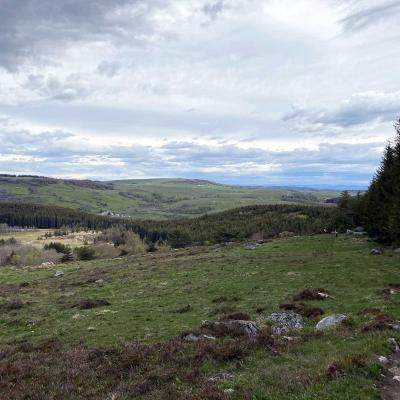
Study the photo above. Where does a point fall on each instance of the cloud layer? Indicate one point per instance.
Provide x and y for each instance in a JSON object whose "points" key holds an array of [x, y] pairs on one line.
{"points": [[239, 91]]}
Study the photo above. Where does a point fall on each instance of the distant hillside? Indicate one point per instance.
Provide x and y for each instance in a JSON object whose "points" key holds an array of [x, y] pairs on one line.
{"points": [[149, 198]]}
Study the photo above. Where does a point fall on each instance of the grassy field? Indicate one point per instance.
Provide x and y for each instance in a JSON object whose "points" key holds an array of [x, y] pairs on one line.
{"points": [[149, 298], [37, 238], [151, 198]]}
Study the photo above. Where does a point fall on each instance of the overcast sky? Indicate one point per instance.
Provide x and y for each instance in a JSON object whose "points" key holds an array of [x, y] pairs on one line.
{"points": [[268, 92]]}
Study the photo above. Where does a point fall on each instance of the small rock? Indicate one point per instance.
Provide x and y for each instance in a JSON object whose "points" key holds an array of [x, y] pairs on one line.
{"points": [[291, 338], [395, 325], [191, 338], [395, 371], [91, 328], [99, 281], [396, 378], [330, 321], [393, 342], [376, 252], [397, 251], [59, 274], [283, 322], [229, 391], [250, 246], [223, 376], [383, 360], [208, 337]]}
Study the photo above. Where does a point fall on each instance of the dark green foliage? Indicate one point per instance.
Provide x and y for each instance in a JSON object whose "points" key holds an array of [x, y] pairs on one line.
{"points": [[242, 223], [58, 247], [5, 242], [85, 253], [238, 224], [49, 217], [68, 257], [381, 203]]}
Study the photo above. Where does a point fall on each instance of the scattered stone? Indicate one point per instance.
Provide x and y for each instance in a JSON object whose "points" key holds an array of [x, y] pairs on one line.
{"points": [[395, 371], [59, 274], [229, 391], [99, 281], [283, 322], [382, 322], [232, 328], [250, 246], [395, 325], [223, 376], [383, 360], [91, 328], [190, 337], [393, 342], [396, 378], [291, 338], [376, 252], [330, 321], [47, 264], [397, 251]]}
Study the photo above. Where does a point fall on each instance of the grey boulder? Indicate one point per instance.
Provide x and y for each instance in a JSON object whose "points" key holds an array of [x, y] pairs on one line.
{"points": [[283, 322], [330, 321], [232, 327]]}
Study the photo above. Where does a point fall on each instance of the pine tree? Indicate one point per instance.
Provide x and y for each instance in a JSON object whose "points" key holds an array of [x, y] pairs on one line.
{"points": [[381, 204]]}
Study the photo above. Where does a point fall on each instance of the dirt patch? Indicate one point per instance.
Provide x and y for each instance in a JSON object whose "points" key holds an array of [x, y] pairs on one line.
{"points": [[86, 304], [391, 289], [312, 294], [379, 323], [225, 299], [302, 309], [184, 309], [389, 388], [236, 316], [12, 305]]}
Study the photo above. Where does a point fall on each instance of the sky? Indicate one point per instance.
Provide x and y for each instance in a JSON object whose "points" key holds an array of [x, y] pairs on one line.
{"points": [[253, 92]]}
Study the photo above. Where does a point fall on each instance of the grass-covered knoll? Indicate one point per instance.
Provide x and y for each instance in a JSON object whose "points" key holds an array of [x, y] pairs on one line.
{"points": [[148, 300], [149, 198]]}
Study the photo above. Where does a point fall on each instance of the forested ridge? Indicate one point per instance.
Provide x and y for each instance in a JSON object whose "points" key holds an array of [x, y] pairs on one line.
{"points": [[262, 221]]}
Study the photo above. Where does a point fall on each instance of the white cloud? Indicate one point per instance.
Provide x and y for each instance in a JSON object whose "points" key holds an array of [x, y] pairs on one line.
{"points": [[133, 77]]}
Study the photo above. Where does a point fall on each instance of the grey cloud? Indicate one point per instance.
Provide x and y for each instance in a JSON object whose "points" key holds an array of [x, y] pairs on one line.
{"points": [[109, 68], [370, 15], [359, 109], [213, 9], [34, 28]]}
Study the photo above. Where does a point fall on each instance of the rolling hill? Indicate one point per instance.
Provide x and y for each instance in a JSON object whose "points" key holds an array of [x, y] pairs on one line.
{"points": [[149, 198]]}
